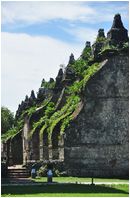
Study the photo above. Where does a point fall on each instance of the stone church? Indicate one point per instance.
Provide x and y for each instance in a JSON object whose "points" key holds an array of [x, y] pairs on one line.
{"points": [[96, 141]]}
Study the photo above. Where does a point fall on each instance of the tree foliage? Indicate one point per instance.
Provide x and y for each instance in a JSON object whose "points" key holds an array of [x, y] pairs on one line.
{"points": [[7, 119]]}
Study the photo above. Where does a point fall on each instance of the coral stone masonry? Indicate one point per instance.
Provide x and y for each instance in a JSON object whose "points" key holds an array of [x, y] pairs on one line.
{"points": [[96, 143], [79, 121]]}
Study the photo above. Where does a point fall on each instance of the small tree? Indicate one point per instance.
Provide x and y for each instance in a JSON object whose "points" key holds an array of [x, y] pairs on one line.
{"points": [[7, 119]]}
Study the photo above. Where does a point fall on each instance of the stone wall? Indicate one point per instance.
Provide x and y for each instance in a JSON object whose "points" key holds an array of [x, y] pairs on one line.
{"points": [[96, 144]]}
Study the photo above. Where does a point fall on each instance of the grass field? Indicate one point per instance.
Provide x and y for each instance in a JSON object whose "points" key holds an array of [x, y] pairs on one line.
{"points": [[66, 190], [79, 179]]}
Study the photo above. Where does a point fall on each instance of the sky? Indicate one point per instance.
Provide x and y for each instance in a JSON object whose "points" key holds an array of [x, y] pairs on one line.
{"points": [[38, 36]]}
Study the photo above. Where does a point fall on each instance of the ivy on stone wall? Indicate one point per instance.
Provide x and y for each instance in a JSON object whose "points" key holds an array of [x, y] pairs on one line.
{"points": [[64, 115], [51, 117], [48, 85], [50, 108], [10, 134]]}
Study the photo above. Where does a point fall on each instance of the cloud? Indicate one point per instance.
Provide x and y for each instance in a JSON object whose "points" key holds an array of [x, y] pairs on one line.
{"points": [[42, 11], [26, 60], [82, 34], [32, 12]]}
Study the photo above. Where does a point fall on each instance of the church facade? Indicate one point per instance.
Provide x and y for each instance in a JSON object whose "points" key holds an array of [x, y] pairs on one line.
{"points": [[96, 142]]}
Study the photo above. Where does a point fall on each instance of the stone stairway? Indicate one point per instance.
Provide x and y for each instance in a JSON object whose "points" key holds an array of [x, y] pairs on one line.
{"points": [[18, 173]]}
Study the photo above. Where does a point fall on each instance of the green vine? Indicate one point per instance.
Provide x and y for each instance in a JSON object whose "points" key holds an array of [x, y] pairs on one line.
{"points": [[50, 117], [65, 123], [48, 85], [79, 66], [77, 88], [101, 39], [31, 111], [87, 53], [64, 115], [10, 134], [51, 121], [50, 108]]}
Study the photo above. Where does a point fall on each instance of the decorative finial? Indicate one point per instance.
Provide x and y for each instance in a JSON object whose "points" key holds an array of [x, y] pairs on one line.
{"points": [[71, 59], [32, 95], [101, 33], [117, 35], [26, 98], [117, 22], [51, 80], [88, 44]]}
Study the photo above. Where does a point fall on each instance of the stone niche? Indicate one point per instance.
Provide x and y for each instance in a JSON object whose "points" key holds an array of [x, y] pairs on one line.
{"points": [[96, 143]]}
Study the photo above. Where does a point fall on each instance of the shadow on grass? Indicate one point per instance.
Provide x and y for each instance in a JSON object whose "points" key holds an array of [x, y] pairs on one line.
{"points": [[69, 188], [15, 181]]}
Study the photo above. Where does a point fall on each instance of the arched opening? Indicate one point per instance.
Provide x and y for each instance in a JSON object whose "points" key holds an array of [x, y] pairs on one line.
{"points": [[17, 149], [45, 146], [57, 144], [34, 153]]}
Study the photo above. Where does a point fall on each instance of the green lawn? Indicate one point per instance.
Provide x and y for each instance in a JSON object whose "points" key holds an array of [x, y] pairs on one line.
{"points": [[67, 190], [78, 179]]}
